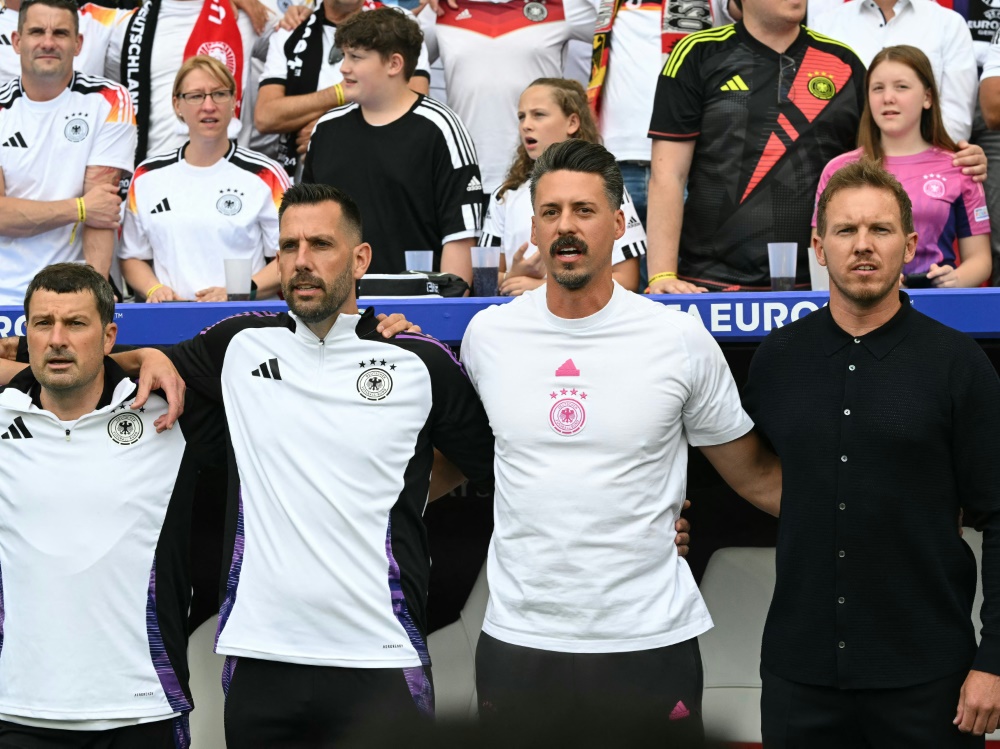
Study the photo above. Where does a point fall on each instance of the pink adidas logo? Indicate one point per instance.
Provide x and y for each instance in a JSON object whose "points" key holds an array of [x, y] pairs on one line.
{"points": [[567, 369], [679, 712]]}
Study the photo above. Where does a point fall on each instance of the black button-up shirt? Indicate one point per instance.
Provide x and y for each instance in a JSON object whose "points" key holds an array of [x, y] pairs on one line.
{"points": [[883, 438]]}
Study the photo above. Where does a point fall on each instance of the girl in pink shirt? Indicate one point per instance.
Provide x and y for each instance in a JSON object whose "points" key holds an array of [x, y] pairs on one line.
{"points": [[902, 127]]}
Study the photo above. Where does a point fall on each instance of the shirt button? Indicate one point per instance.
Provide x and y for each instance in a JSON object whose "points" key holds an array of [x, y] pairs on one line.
{"points": [[843, 506], [851, 367], [840, 600], [842, 644], [843, 458], [840, 553], [857, 340], [847, 412]]}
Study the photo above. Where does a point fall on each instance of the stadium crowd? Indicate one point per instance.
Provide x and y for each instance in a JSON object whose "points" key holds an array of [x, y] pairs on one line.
{"points": [[142, 147]]}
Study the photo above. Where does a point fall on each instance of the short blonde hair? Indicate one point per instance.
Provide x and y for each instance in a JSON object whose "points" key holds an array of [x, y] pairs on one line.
{"points": [[208, 64]]}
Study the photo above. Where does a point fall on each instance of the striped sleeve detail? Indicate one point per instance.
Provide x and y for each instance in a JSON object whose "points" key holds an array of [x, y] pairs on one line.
{"points": [[635, 249], [460, 147], [9, 93], [269, 172], [104, 16], [823, 38], [147, 166], [685, 45], [121, 109], [335, 113]]}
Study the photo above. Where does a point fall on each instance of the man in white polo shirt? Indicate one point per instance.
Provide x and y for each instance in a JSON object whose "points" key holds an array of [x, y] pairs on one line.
{"points": [[65, 140], [594, 395]]}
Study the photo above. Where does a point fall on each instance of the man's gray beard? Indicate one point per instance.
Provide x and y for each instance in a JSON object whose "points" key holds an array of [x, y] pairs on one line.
{"points": [[331, 303]]}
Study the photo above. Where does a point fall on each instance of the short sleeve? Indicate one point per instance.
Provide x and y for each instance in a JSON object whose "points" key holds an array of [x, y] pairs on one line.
{"points": [[458, 185], [493, 223], [114, 143], [135, 244], [677, 105], [276, 183], [972, 216], [276, 65], [991, 66], [581, 17], [633, 241], [713, 414]]}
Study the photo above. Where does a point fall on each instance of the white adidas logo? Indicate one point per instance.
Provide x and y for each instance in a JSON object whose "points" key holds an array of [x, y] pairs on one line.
{"points": [[465, 15], [474, 184]]}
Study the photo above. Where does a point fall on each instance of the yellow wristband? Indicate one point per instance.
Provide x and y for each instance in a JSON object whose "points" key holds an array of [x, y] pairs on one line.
{"points": [[81, 210], [154, 290], [339, 91], [662, 276]]}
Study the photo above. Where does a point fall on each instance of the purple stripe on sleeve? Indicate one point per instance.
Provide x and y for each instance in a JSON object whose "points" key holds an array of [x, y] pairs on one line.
{"points": [[182, 732], [228, 669], [158, 652], [436, 342], [233, 580]]}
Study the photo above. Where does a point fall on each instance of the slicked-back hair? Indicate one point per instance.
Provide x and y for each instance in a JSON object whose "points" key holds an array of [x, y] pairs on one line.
{"points": [[387, 31], [69, 278], [68, 5], [305, 193], [576, 155], [865, 173]]}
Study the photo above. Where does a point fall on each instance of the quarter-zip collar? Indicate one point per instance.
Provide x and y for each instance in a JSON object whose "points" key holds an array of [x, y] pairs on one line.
{"points": [[24, 391]]}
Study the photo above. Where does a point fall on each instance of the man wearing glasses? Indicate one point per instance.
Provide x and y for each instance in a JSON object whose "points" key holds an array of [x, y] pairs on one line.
{"points": [[65, 139]]}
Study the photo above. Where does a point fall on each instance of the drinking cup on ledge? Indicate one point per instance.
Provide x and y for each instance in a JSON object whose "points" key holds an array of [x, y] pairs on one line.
{"points": [[485, 267], [238, 275], [420, 260], [781, 256]]}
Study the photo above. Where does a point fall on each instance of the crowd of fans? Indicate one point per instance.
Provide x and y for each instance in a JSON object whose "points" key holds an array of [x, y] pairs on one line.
{"points": [[724, 118]]}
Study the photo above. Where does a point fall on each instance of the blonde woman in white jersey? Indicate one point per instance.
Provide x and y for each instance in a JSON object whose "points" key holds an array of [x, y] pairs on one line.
{"points": [[190, 209], [550, 111]]}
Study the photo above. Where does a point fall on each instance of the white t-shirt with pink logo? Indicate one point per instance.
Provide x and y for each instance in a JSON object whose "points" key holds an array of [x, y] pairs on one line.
{"points": [[947, 205], [593, 418]]}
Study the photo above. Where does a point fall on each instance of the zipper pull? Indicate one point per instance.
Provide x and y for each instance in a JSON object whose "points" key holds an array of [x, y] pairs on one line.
{"points": [[67, 435]]}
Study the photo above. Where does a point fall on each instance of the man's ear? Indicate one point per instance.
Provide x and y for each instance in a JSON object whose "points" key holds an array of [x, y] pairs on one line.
{"points": [[362, 259]]}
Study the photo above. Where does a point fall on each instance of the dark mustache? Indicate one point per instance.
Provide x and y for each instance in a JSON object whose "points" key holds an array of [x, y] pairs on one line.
{"points": [[570, 240], [309, 279]]}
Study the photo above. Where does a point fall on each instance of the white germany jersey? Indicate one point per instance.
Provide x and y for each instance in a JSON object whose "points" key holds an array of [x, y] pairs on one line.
{"points": [[188, 219], [593, 418], [97, 24], [92, 625], [333, 442], [508, 225], [45, 149], [491, 51]]}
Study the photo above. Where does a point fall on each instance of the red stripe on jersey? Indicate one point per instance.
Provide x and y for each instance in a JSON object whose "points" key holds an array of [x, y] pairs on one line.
{"points": [[773, 151], [817, 64], [277, 182], [788, 126], [121, 110], [496, 19], [686, 136], [104, 16]]}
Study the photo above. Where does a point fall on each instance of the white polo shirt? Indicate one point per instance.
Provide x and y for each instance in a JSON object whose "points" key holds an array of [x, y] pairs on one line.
{"points": [[940, 33], [592, 419]]}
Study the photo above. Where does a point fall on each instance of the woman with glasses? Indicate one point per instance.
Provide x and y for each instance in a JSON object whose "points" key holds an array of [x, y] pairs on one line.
{"points": [[550, 111], [902, 127], [207, 202]]}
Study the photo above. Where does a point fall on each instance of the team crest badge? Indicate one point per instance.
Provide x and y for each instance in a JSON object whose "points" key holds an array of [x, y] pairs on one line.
{"points": [[125, 428], [821, 86], [375, 383], [221, 52], [229, 204], [535, 12], [76, 129], [934, 185], [567, 416]]}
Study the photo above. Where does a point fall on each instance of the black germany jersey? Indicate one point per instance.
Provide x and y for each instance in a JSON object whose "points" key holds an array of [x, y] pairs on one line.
{"points": [[765, 125], [416, 180]]}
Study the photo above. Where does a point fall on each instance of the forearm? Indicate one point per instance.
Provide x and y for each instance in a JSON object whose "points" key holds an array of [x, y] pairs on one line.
{"points": [[989, 102], [26, 218], [278, 113], [140, 275], [131, 361], [98, 248], [626, 273], [456, 257], [977, 261], [751, 469], [665, 215], [8, 369]]}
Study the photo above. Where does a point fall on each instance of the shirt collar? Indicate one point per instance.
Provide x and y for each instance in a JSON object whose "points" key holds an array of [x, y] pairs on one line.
{"points": [[762, 49], [870, 6], [879, 342], [113, 376]]}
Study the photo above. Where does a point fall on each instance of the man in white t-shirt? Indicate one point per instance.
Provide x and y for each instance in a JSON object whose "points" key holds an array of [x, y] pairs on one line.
{"points": [[65, 140], [301, 77], [97, 24], [490, 52], [594, 395]]}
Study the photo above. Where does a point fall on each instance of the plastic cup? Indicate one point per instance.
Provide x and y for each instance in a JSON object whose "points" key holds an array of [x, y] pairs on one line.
{"points": [[781, 256], [420, 260], [819, 277], [238, 275], [485, 267]]}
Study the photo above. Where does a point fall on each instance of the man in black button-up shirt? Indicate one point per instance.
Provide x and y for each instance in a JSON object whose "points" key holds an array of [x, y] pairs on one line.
{"points": [[887, 424]]}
